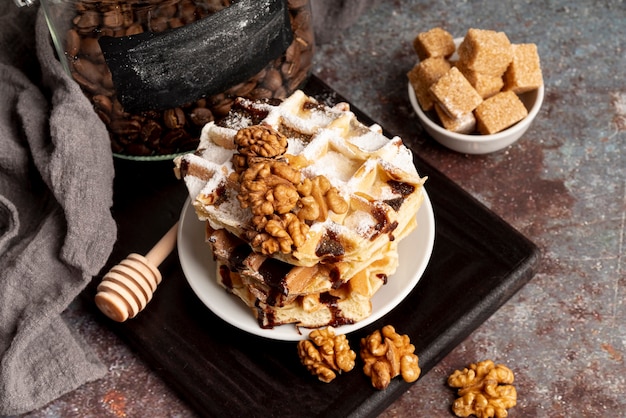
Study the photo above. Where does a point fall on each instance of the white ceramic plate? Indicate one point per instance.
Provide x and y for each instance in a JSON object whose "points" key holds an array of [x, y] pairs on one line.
{"points": [[199, 268]]}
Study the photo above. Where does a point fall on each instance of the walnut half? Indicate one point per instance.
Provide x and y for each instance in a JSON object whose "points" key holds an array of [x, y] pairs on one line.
{"points": [[387, 354], [325, 354], [485, 390], [260, 141]]}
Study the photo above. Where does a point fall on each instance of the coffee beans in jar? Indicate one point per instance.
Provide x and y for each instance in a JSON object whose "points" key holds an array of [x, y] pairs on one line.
{"points": [[157, 71]]}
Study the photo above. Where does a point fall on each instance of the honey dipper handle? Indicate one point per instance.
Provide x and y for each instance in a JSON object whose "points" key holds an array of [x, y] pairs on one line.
{"points": [[164, 247]]}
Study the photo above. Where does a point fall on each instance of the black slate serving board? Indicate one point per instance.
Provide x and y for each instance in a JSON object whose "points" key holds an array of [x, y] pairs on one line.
{"points": [[478, 263]]}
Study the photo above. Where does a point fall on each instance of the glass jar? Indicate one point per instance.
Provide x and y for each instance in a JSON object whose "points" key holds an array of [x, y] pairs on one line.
{"points": [[157, 71]]}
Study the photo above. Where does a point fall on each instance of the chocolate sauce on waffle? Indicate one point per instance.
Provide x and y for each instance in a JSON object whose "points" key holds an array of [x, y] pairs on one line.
{"points": [[401, 188], [329, 247], [383, 277], [245, 108], [238, 256], [383, 224], [335, 277], [224, 272], [273, 272], [337, 316]]}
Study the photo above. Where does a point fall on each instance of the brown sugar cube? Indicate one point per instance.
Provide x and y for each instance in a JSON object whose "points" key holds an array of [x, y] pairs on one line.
{"points": [[486, 51], [436, 42], [466, 124], [425, 74], [485, 85], [524, 72], [499, 112], [455, 94]]}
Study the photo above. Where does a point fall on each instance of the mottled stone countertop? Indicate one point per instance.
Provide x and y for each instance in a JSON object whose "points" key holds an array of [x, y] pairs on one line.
{"points": [[563, 185]]}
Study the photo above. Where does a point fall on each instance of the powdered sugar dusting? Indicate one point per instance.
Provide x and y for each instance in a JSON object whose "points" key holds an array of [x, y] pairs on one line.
{"points": [[363, 223], [307, 121], [215, 153], [295, 146], [230, 213], [395, 153], [334, 166], [371, 141], [307, 126], [240, 121]]}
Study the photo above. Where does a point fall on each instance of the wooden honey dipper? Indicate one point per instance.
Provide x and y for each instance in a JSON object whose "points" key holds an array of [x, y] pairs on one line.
{"points": [[128, 287]]}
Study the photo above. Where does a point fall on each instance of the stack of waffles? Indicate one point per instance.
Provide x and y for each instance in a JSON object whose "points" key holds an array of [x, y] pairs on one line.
{"points": [[304, 208]]}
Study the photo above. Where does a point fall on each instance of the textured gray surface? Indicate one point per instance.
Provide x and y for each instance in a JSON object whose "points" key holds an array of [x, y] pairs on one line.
{"points": [[563, 185]]}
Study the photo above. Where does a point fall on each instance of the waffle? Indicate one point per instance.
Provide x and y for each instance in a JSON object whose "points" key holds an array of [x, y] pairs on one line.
{"points": [[366, 193], [278, 293]]}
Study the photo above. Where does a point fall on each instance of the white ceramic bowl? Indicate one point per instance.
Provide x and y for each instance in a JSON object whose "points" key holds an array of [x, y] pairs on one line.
{"points": [[476, 143]]}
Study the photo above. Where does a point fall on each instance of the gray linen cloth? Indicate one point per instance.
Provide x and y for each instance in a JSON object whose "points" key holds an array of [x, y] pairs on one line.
{"points": [[56, 227]]}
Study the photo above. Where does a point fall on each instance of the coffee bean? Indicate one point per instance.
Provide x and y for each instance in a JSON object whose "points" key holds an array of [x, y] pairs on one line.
{"points": [[151, 132], [107, 81], [242, 89], [87, 85], [126, 10], [118, 109], [134, 29], [174, 118], [261, 93], [137, 149], [281, 92], [273, 79], [72, 43], [116, 147], [89, 48], [104, 117], [159, 24], [88, 21], [112, 18], [200, 116], [104, 31], [166, 11], [103, 103], [173, 137], [221, 109], [125, 127], [176, 22], [188, 12]]}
